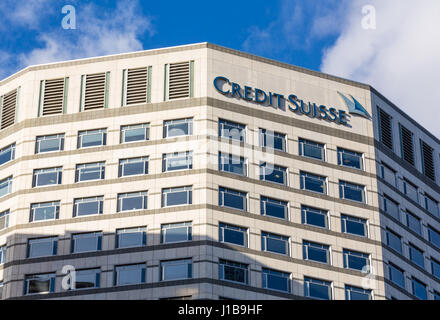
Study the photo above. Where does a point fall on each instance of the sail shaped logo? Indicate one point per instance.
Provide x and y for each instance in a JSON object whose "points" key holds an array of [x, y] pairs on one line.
{"points": [[355, 107]]}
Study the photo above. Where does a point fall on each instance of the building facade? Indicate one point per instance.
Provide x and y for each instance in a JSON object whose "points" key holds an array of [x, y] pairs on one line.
{"points": [[200, 172]]}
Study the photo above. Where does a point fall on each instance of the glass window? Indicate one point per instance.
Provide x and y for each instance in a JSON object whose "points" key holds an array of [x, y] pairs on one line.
{"points": [[179, 127], [137, 132], [44, 211], [133, 166], [233, 271], [274, 208], [431, 205], [351, 191], [233, 234], [351, 159], [355, 293], [39, 283], [396, 275], [388, 174], [356, 260], [4, 219], [132, 201], [317, 252], [413, 223], [232, 198], [410, 190], [273, 173], [434, 236], [416, 255], [176, 269], [49, 143], [394, 240], [272, 140], [176, 232], [86, 242], [276, 280], [435, 268], [177, 161], [354, 225], [271, 242], [391, 207], [311, 149], [90, 171], [317, 289], [131, 237], [5, 186], [46, 177], [129, 274], [3, 250], [419, 289], [87, 279], [231, 130], [314, 217], [176, 196], [92, 138], [88, 206], [42, 247], [436, 295], [231, 163], [312, 182], [7, 154]]}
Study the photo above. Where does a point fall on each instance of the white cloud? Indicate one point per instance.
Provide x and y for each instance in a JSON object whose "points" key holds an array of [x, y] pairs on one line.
{"points": [[400, 58]]}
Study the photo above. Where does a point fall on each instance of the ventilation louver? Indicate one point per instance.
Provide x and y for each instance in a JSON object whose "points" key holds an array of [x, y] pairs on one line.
{"points": [[428, 160], [95, 90], [179, 80], [407, 140], [53, 97], [386, 133], [137, 82], [9, 104]]}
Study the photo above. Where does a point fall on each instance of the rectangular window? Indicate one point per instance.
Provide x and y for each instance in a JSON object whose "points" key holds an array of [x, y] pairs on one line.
{"points": [[86, 242], [44, 211], [3, 250], [4, 219], [135, 132], [311, 149], [5, 186], [314, 217], [7, 154], [356, 293], [51, 143], [428, 167], [133, 166], [176, 269], [407, 144], [233, 234], [46, 177], [231, 163], [90, 171], [42, 247], [317, 289], [92, 138], [435, 268], [312, 182], [233, 271], [396, 275], [232, 199], [351, 191], [176, 232], [394, 240], [434, 236], [317, 252], [388, 174], [431, 205], [416, 255], [274, 208], [132, 201], [276, 280], [131, 237], [356, 260], [176, 196], [350, 159], [275, 243], [410, 190], [391, 207], [178, 127], [413, 223], [177, 161], [419, 289], [87, 279], [231, 130], [129, 274], [272, 140], [354, 225], [88, 206], [273, 173], [385, 128], [39, 283]]}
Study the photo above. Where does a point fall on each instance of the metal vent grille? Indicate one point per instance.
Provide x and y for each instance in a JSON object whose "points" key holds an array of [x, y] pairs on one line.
{"points": [[428, 160], [94, 96], [179, 80], [53, 97], [407, 141], [9, 104], [137, 82], [386, 132]]}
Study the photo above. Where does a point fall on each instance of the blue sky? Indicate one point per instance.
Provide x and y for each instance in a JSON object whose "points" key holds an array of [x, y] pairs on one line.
{"points": [[400, 57]]}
